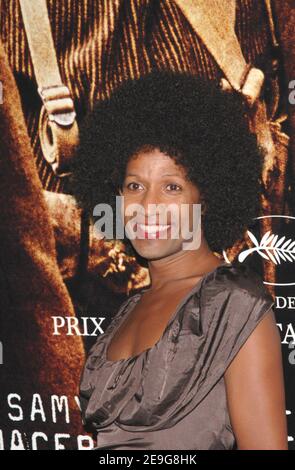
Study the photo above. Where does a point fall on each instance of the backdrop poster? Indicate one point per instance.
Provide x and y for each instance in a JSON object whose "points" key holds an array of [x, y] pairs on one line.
{"points": [[60, 285]]}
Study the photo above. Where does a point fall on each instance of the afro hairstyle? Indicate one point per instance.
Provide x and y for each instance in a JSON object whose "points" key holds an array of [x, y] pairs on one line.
{"points": [[200, 126]]}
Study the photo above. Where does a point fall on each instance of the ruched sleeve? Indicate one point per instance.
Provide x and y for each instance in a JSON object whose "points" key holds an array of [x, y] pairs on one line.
{"points": [[240, 329]]}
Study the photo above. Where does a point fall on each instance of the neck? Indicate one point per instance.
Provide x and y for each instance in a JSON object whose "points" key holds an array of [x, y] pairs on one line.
{"points": [[181, 265]]}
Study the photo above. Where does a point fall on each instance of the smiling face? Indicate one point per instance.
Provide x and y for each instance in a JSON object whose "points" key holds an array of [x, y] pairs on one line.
{"points": [[153, 178]]}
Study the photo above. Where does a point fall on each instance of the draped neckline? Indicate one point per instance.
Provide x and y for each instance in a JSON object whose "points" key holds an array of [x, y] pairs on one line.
{"points": [[135, 298]]}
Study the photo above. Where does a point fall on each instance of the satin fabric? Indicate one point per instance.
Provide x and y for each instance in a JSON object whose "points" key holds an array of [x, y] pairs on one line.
{"points": [[172, 396]]}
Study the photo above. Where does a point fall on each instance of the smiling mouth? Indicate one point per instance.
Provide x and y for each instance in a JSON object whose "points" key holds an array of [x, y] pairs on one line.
{"points": [[152, 231]]}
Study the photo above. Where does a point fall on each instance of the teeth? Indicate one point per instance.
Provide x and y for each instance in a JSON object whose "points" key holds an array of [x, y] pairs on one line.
{"points": [[153, 228]]}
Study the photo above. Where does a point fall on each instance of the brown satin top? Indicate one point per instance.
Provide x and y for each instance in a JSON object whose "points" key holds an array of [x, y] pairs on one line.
{"points": [[172, 396]]}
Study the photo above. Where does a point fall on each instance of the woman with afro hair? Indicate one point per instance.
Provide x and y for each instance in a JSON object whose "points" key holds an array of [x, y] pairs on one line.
{"points": [[193, 361]]}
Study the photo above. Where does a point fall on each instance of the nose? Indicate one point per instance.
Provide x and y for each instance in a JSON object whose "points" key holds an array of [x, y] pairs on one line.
{"points": [[149, 202]]}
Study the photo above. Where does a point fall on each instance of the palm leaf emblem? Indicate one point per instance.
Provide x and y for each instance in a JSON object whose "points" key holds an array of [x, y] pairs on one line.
{"points": [[271, 247]]}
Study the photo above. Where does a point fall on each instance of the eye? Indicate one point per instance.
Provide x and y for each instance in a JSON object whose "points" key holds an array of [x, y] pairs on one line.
{"points": [[133, 186], [173, 187]]}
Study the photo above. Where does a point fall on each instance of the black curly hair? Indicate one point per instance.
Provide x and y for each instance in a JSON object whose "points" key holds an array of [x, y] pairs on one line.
{"points": [[194, 122]]}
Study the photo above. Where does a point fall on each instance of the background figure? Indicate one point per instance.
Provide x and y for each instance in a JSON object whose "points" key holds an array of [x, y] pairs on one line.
{"points": [[99, 44], [36, 364]]}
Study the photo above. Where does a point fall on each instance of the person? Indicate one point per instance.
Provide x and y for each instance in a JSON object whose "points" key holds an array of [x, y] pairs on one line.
{"points": [[192, 361], [32, 294]]}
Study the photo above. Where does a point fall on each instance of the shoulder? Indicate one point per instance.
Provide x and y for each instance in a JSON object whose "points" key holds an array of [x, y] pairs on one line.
{"points": [[238, 280], [235, 295], [226, 310]]}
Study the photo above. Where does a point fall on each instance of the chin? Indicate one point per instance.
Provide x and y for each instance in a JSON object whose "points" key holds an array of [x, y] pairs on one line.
{"points": [[155, 249]]}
